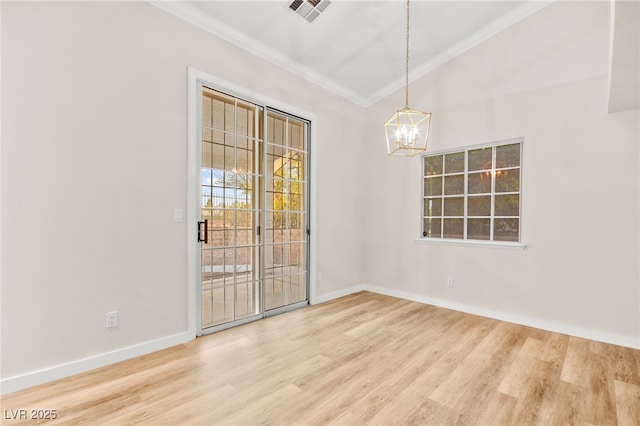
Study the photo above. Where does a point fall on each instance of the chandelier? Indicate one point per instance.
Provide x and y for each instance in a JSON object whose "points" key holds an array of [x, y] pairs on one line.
{"points": [[407, 130]]}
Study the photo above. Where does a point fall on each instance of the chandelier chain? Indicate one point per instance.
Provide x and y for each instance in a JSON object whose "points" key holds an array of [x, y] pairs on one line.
{"points": [[406, 85], [407, 130]]}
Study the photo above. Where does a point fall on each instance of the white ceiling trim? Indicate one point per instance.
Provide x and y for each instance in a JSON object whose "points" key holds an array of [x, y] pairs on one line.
{"points": [[226, 32], [459, 48]]}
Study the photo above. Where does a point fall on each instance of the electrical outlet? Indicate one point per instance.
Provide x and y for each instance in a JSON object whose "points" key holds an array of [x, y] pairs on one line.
{"points": [[449, 281], [112, 319]]}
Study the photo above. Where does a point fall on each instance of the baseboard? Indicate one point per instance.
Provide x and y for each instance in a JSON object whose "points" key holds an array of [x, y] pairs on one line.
{"points": [[34, 378], [336, 294], [16, 383], [555, 327]]}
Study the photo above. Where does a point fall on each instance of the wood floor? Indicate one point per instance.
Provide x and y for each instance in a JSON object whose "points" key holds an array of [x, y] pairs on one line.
{"points": [[364, 359]]}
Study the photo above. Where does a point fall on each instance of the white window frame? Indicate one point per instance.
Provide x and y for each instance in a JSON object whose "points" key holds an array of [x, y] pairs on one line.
{"points": [[464, 240]]}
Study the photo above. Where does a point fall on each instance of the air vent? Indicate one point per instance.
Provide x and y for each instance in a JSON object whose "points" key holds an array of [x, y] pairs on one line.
{"points": [[295, 5], [309, 9]]}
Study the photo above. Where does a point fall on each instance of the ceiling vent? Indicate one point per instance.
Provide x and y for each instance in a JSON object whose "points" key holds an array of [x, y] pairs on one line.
{"points": [[309, 9]]}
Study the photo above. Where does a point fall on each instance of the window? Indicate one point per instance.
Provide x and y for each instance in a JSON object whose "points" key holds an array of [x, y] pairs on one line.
{"points": [[473, 193]]}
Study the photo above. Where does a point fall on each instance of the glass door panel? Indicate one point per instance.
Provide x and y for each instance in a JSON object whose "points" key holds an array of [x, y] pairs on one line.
{"points": [[286, 211], [254, 208], [230, 257]]}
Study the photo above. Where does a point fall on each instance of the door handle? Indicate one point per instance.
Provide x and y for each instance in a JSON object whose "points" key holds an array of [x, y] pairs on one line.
{"points": [[206, 232]]}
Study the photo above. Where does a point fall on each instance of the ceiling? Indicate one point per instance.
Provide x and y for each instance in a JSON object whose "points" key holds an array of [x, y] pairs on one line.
{"points": [[355, 48]]}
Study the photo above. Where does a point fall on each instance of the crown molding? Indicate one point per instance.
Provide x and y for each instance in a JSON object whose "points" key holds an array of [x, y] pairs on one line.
{"points": [[459, 48], [218, 28]]}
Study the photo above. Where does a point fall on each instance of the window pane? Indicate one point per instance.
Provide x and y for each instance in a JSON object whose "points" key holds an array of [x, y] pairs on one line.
{"points": [[242, 160], [295, 223], [508, 156], [453, 228], [278, 153], [508, 180], [478, 229], [297, 166], [454, 185], [296, 134], [229, 157], [242, 120], [276, 134], [242, 142], [207, 149], [479, 183], [454, 163], [433, 165], [218, 114], [433, 206], [229, 114], [506, 230], [507, 205], [480, 159], [454, 206], [479, 206], [432, 228], [206, 111], [218, 156], [433, 186], [473, 194], [207, 134]]}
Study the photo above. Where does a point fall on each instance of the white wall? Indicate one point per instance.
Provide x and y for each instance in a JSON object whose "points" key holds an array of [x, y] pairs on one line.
{"points": [[545, 80], [94, 139], [94, 160]]}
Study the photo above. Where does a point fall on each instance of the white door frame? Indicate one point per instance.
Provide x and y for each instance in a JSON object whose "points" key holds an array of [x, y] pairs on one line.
{"points": [[196, 76]]}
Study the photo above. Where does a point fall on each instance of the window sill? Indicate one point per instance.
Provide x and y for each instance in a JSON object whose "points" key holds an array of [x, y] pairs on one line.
{"points": [[471, 243]]}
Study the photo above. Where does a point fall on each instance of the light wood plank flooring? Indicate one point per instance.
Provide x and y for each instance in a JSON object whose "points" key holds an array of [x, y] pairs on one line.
{"points": [[365, 359]]}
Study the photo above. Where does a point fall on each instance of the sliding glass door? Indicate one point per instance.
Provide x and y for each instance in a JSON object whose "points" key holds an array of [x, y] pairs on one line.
{"points": [[254, 211], [286, 212]]}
